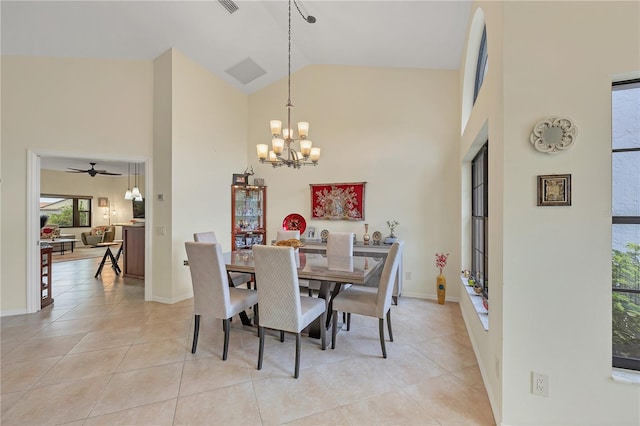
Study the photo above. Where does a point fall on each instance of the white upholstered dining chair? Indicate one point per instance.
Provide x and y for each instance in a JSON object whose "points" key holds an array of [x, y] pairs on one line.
{"points": [[212, 295], [369, 301], [338, 244], [236, 278], [281, 306]]}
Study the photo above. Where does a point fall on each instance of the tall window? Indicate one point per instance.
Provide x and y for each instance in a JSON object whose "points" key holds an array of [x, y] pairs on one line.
{"points": [[482, 65], [626, 224], [479, 216], [66, 211]]}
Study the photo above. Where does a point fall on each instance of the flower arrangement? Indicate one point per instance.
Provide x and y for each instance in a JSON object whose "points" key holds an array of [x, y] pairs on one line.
{"points": [[441, 261], [392, 224]]}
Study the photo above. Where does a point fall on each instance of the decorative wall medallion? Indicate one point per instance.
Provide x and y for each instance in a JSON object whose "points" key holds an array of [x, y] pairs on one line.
{"points": [[553, 134]]}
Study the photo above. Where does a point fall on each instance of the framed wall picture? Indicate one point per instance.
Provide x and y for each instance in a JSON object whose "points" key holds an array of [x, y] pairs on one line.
{"points": [[311, 233], [554, 190], [103, 202], [240, 179], [337, 201]]}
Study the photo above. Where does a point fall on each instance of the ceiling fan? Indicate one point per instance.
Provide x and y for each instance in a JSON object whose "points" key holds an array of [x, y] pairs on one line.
{"points": [[92, 171]]}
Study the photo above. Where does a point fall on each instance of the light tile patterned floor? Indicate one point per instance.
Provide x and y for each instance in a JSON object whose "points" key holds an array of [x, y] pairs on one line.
{"points": [[101, 355]]}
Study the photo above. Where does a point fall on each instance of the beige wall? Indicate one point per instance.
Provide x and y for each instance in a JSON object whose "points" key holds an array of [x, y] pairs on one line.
{"points": [[551, 287], [209, 121], [485, 123], [63, 106], [395, 129]]}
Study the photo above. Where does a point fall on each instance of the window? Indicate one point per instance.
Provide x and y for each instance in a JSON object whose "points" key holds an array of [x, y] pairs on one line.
{"points": [[67, 211], [626, 223], [479, 216], [483, 64]]}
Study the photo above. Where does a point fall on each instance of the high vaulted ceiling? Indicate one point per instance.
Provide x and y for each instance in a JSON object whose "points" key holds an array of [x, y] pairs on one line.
{"points": [[407, 34], [404, 34]]}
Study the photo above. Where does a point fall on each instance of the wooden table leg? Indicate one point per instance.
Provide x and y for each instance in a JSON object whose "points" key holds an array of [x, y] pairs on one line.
{"points": [[104, 259], [114, 262]]}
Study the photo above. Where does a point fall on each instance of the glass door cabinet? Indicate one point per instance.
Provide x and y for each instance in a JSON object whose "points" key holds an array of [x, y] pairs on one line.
{"points": [[248, 216]]}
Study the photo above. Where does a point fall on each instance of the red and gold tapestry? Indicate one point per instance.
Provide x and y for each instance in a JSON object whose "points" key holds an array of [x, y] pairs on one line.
{"points": [[337, 201]]}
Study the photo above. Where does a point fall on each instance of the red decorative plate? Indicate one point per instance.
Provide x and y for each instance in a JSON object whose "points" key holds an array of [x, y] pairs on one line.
{"points": [[294, 222]]}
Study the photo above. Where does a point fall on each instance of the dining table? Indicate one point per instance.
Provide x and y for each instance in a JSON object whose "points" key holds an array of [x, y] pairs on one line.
{"points": [[357, 270]]}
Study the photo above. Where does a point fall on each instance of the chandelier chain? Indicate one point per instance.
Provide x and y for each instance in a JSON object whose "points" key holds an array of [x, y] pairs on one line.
{"points": [[289, 64]]}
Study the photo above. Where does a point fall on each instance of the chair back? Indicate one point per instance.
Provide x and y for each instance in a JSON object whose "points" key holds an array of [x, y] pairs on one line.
{"points": [[277, 285], [209, 279], [285, 235], [340, 244], [388, 278], [109, 234], [205, 237]]}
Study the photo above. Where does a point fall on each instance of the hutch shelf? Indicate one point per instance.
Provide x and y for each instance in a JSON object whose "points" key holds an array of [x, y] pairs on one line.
{"points": [[248, 216]]}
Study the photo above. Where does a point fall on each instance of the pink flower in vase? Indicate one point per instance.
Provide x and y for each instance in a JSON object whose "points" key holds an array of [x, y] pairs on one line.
{"points": [[441, 261]]}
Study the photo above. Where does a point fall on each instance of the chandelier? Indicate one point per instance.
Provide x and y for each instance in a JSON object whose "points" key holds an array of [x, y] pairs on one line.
{"points": [[283, 153]]}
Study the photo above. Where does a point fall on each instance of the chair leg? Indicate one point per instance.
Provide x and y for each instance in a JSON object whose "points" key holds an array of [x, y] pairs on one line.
{"points": [[348, 321], [260, 347], [323, 330], [196, 330], [389, 325], [297, 373], [256, 316], [384, 350], [334, 329], [281, 336], [227, 331]]}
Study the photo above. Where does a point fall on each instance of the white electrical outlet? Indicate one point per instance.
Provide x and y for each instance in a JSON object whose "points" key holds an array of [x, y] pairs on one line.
{"points": [[407, 275], [539, 384]]}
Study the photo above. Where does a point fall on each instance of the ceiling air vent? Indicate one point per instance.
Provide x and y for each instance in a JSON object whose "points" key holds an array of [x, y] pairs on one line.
{"points": [[246, 71], [229, 5]]}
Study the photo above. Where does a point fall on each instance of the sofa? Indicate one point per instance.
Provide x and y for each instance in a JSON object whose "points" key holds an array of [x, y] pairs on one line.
{"points": [[97, 235]]}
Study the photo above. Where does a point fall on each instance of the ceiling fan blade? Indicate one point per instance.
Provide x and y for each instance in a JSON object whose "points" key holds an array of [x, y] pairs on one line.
{"points": [[92, 171]]}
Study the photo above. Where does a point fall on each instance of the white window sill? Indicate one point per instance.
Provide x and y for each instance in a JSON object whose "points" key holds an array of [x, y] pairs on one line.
{"points": [[625, 376], [476, 300]]}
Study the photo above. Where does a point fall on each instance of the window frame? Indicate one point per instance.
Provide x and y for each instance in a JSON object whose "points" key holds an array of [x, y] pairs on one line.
{"points": [[480, 216], [76, 211], [620, 361], [481, 65]]}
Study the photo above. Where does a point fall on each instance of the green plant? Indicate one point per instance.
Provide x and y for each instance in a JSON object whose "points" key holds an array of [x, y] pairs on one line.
{"points": [[626, 306], [64, 218]]}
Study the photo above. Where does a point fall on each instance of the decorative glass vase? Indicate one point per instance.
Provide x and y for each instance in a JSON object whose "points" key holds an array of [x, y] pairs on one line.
{"points": [[366, 236], [441, 287]]}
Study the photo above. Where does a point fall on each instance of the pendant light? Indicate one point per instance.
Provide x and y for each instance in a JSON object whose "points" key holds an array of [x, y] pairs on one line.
{"points": [[128, 195], [137, 195]]}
